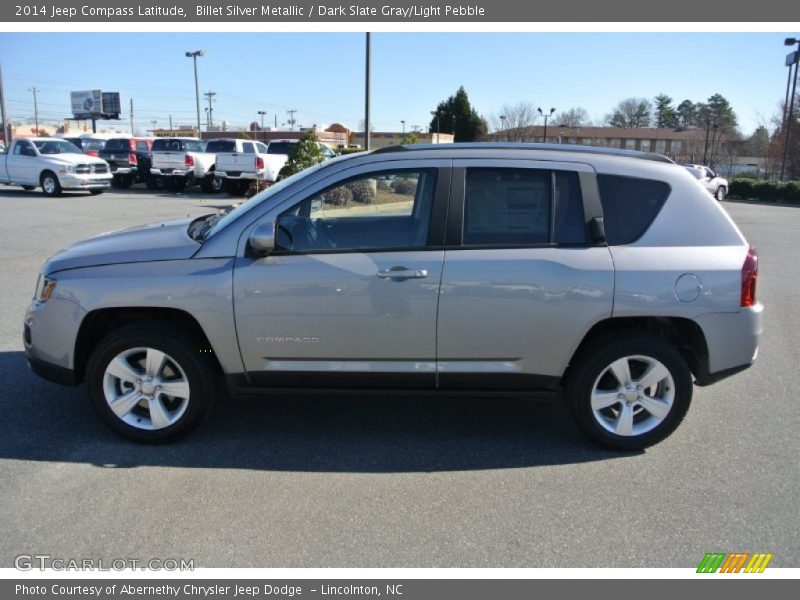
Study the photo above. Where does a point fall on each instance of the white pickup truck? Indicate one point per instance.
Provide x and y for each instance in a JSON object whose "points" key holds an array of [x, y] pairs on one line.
{"points": [[184, 161], [55, 165], [717, 186], [239, 163]]}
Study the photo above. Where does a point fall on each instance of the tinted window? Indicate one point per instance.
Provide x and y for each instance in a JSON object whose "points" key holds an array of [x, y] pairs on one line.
{"points": [[629, 205], [193, 146], [142, 146], [261, 148], [379, 211], [221, 146], [507, 207], [280, 147], [96, 145], [56, 147], [118, 144], [247, 148], [163, 145], [569, 224]]}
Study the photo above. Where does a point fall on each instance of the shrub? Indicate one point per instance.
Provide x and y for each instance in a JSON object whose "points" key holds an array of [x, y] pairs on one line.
{"points": [[384, 185], [404, 186], [338, 196], [741, 188], [363, 191], [305, 153], [791, 192]]}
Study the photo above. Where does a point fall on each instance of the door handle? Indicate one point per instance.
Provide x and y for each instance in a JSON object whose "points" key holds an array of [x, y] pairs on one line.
{"points": [[403, 273]]}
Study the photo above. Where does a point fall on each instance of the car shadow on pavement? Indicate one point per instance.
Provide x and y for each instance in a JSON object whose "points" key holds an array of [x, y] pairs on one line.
{"points": [[46, 422]]}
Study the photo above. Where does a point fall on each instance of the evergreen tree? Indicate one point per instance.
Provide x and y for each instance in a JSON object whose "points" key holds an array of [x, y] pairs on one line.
{"points": [[305, 153], [686, 113], [457, 116], [665, 115]]}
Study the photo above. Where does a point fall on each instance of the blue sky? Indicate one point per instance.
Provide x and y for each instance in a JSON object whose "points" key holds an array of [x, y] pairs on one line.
{"points": [[321, 75]]}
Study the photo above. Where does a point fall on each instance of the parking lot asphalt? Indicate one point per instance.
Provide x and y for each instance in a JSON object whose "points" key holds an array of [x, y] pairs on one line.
{"points": [[392, 482]]}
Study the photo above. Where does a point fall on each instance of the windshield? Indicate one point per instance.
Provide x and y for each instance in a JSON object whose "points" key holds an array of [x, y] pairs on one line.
{"points": [[258, 200], [280, 147], [56, 147], [93, 145]]}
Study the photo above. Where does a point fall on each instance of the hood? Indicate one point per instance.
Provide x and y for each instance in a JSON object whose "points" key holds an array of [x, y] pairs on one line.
{"points": [[160, 241], [71, 158]]}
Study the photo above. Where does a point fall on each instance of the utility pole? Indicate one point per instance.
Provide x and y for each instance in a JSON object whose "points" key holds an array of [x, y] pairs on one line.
{"points": [[132, 131], [291, 118], [170, 123], [404, 127], [366, 94], [435, 113], [35, 109], [210, 98], [6, 130]]}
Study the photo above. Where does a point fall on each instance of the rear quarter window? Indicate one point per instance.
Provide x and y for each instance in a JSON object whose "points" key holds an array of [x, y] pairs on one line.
{"points": [[630, 205]]}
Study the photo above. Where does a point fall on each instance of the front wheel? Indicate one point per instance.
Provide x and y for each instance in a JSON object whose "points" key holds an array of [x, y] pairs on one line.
{"points": [[721, 192], [122, 181], [50, 184], [150, 383], [629, 390]]}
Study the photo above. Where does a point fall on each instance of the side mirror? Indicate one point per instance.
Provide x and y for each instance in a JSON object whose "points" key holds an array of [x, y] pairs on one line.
{"points": [[598, 230], [262, 238]]}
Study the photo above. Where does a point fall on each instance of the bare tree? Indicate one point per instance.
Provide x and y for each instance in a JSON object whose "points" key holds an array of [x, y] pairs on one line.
{"points": [[573, 117], [515, 121], [631, 112]]}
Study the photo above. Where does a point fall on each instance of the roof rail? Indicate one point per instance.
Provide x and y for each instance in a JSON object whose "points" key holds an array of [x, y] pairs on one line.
{"points": [[526, 146]]}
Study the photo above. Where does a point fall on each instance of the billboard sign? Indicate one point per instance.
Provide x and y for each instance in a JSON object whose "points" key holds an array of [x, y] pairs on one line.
{"points": [[95, 104]]}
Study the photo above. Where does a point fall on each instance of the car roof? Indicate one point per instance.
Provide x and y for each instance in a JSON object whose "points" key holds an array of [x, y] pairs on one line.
{"points": [[526, 148]]}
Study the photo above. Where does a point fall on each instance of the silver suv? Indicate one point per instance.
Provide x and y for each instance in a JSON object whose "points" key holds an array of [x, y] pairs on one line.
{"points": [[448, 269]]}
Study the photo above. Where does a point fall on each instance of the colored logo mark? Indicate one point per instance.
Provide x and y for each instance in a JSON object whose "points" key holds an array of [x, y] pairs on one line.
{"points": [[737, 562]]}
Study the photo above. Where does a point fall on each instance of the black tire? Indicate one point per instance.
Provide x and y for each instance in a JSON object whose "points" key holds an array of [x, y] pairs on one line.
{"points": [[96, 192], [175, 184], [155, 182], [235, 187], [122, 181], [211, 184], [184, 349], [51, 187], [721, 193], [595, 358], [28, 188]]}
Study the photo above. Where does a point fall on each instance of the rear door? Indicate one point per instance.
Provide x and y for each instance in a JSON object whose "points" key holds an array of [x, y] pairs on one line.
{"points": [[522, 279]]}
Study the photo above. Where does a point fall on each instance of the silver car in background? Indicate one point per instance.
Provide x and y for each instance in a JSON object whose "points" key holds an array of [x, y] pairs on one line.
{"points": [[456, 269]]}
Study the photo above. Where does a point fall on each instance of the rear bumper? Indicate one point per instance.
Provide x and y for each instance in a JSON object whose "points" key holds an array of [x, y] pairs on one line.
{"points": [[172, 172], [123, 170], [732, 340], [242, 175]]}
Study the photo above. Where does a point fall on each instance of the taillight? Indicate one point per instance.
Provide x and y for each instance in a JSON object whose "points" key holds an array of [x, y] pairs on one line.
{"points": [[92, 153], [189, 160], [132, 159], [749, 277], [259, 162]]}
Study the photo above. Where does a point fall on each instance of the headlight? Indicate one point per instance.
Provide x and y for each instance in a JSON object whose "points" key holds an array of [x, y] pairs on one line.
{"points": [[66, 169], [44, 288]]}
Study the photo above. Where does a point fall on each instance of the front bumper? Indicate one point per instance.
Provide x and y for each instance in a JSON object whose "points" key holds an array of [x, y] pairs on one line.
{"points": [[85, 182], [49, 333], [54, 373]]}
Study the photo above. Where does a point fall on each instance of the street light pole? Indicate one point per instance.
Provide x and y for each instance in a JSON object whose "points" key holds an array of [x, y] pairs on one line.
{"points": [[193, 55], [3, 111], [546, 116], [404, 126], [503, 125]]}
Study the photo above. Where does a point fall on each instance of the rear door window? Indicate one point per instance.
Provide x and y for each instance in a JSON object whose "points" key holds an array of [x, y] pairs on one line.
{"points": [[215, 146], [630, 205]]}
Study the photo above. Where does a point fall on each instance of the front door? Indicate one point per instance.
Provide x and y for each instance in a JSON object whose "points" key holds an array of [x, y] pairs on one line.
{"points": [[349, 296]]}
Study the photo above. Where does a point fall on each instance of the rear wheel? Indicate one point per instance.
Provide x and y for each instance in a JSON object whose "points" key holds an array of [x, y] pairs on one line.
{"points": [[211, 184], [50, 184], [28, 188], [122, 181], [236, 187], [721, 192], [629, 390], [155, 182], [175, 184], [150, 383]]}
